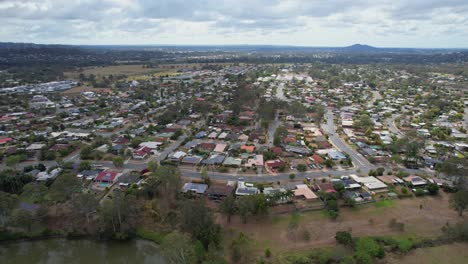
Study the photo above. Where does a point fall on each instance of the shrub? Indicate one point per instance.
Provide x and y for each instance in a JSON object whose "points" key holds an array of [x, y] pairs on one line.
{"points": [[344, 238], [267, 253], [292, 176], [404, 190], [433, 189], [419, 192], [394, 224]]}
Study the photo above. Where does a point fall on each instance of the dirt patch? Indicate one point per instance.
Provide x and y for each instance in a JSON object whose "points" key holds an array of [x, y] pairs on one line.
{"points": [[367, 220]]}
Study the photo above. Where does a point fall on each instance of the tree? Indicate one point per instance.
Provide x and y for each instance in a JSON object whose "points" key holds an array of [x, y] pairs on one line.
{"points": [[198, 220], [177, 248], [292, 176], [329, 163], [117, 215], [86, 153], [204, 175], [364, 122], [34, 192], [240, 249], [12, 161], [228, 206], [344, 238], [64, 187], [301, 167], [433, 189], [339, 187], [454, 167], [84, 165], [85, 204], [118, 162], [152, 166], [369, 246], [459, 201], [7, 204], [22, 218]]}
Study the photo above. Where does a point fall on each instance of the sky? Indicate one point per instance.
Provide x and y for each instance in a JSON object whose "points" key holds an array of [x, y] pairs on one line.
{"points": [[381, 23]]}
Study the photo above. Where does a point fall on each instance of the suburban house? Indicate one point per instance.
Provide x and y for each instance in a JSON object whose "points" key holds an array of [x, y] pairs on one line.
{"points": [[218, 192], [106, 176], [197, 188], [302, 191], [244, 189], [44, 175], [141, 153], [177, 156], [256, 161], [415, 181], [370, 183], [192, 160]]}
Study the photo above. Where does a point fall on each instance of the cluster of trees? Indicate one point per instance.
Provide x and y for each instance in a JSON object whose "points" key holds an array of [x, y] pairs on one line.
{"points": [[365, 248], [251, 205], [364, 122]]}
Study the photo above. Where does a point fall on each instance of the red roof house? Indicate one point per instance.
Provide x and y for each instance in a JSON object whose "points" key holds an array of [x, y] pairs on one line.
{"points": [[106, 176]]}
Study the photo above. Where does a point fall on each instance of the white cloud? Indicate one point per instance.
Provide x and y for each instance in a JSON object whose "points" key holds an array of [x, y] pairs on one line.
{"points": [[416, 23]]}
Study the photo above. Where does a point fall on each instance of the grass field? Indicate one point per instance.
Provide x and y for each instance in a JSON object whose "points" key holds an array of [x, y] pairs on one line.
{"points": [[422, 217], [129, 70], [456, 253], [83, 88]]}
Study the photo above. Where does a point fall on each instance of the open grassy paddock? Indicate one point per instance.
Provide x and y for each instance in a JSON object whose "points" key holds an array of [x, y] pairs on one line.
{"points": [[128, 70], [423, 217], [455, 253]]}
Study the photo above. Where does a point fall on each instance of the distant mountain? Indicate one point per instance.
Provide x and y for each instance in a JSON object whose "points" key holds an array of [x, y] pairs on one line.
{"points": [[360, 48]]}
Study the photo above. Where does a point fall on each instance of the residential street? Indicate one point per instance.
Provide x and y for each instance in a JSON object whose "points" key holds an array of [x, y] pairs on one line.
{"points": [[392, 127], [330, 128]]}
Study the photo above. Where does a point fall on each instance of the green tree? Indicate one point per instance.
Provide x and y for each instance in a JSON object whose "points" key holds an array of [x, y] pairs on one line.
{"points": [[228, 206], [118, 162], [84, 165], [22, 218], [364, 122], [369, 246], [34, 192], [13, 160], [85, 204], [197, 220], [64, 187], [177, 248], [7, 203], [86, 153], [292, 176], [301, 167], [152, 166], [240, 249], [344, 238], [118, 214], [433, 188], [459, 201]]}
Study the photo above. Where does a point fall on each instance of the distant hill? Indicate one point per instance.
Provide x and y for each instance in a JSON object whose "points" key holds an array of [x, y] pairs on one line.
{"points": [[360, 48]]}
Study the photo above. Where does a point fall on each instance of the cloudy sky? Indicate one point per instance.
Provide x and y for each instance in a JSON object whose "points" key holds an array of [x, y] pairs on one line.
{"points": [[383, 23]]}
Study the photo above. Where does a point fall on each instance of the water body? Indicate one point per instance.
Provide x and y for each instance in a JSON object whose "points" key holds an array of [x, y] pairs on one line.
{"points": [[79, 251]]}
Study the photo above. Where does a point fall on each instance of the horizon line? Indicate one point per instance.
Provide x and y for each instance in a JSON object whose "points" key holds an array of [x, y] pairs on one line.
{"points": [[245, 44]]}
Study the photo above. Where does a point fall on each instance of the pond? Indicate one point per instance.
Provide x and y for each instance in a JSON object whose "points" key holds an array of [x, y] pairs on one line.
{"points": [[79, 251]]}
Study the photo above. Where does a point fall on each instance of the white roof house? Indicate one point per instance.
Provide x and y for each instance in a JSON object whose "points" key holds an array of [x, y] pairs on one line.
{"points": [[370, 182], [151, 144]]}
